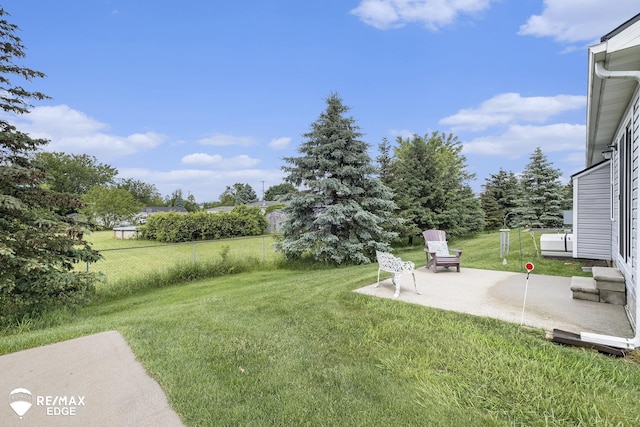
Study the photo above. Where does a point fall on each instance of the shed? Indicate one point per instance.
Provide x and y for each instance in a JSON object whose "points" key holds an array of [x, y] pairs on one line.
{"points": [[592, 213], [125, 232]]}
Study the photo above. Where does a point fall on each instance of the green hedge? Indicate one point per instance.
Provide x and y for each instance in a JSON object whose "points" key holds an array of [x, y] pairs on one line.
{"points": [[174, 227]]}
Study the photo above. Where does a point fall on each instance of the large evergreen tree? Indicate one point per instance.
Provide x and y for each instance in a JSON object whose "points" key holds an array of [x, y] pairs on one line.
{"points": [[385, 162], [541, 193], [38, 244], [432, 188], [343, 212], [499, 197]]}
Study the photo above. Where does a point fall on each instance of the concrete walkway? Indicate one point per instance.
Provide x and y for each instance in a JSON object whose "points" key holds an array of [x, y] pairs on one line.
{"points": [[89, 381], [501, 295]]}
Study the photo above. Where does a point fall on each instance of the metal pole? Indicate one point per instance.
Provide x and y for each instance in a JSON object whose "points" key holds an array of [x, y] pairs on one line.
{"points": [[524, 302], [519, 236], [529, 267]]}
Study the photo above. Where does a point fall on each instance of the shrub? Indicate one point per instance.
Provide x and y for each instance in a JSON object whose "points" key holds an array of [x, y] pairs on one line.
{"points": [[172, 227]]}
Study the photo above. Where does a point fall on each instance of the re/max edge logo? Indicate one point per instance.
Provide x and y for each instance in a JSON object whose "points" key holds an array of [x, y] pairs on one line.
{"points": [[21, 400]]}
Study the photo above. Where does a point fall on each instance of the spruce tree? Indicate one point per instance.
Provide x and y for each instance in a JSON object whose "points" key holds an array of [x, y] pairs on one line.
{"points": [[541, 192], [385, 162], [39, 245], [430, 182], [343, 212], [499, 197]]}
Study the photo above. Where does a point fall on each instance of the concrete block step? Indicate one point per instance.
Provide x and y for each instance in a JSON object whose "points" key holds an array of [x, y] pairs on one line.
{"points": [[609, 279], [608, 274], [584, 284], [584, 288]]}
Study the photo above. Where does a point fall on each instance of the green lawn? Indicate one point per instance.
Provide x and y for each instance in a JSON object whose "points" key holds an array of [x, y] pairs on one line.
{"points": [[127, 259], [295, 346]]}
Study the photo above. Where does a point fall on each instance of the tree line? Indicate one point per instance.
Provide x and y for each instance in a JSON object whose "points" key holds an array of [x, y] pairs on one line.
{"points": [[347, 208]]}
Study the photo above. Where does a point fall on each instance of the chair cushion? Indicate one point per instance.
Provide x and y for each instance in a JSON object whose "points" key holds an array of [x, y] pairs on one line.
{"points": [[439, 247]]}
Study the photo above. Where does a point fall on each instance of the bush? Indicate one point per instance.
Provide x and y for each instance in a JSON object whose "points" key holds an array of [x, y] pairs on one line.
{"points": [[45, 290], [174, 228]]}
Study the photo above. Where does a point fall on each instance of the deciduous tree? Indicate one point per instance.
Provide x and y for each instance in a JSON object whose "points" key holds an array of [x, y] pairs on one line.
{"points": [[110, 206], [146, 194], [74, 173], [277, 191]]}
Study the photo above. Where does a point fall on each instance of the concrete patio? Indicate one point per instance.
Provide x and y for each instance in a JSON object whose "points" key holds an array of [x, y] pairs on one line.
{"points": [[497, 294]]}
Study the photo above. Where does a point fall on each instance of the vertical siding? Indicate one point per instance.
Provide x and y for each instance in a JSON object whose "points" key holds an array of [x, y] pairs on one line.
{"points": [[593, 222], [628, 269], [632, 285]]}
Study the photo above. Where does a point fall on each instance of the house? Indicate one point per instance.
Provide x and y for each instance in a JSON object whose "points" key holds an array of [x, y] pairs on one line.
{"points": [[606, 193]]}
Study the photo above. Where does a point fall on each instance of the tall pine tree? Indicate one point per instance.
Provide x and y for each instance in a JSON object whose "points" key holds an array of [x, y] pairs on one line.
{"points": [[343, 212], [541, 193], [499, 197], [38, 244], [432, 188]]}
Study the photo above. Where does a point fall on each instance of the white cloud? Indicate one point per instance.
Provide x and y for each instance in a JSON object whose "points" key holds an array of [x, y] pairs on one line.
{"points": [[72, 131], [434, 14], [571, 21], [203, 159], [521, 140], [507, 108], [221, 140], [279, 143]]}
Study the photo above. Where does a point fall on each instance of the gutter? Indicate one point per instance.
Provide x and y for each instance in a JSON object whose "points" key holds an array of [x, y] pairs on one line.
{"points": [[609, 340]]}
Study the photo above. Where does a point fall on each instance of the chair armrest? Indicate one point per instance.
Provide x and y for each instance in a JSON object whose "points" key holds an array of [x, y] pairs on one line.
{"points": [[408, 266], [457, 251]]}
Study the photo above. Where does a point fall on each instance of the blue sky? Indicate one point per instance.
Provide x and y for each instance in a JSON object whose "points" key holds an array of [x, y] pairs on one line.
{"points": [[198, 95]]}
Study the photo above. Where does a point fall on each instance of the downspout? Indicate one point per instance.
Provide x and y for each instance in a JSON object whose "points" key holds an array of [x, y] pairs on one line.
{"points": [[609, 340]]}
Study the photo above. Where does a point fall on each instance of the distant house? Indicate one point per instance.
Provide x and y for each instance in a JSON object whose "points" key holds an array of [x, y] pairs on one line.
{"points": [[145, 213], [263, 205]]}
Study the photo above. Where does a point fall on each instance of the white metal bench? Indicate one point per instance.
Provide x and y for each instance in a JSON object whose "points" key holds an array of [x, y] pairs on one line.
{"points": [[396, 266]]}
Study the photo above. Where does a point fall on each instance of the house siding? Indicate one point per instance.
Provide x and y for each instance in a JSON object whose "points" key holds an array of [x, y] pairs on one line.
{"points": [[632, 288], [628, 267], [592, 222]]}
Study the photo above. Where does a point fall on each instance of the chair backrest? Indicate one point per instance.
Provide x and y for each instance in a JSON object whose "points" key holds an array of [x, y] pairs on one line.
{"points": [[388, 262], [434, 236], [439, 247]]}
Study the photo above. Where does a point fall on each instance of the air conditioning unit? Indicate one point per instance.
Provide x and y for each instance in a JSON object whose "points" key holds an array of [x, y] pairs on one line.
{"points": [[557, 245]]}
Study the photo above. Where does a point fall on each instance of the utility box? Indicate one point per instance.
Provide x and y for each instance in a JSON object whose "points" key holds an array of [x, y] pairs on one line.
{"points": [[557, 245]]}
